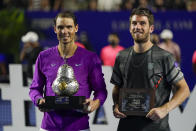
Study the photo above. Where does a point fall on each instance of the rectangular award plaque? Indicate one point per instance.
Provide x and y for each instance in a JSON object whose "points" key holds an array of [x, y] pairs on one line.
{"points": [[136, 101], [64, 102]]}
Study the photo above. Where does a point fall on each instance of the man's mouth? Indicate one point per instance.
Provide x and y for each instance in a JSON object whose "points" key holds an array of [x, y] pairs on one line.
{"points": [[137, 32], [64, 37]]}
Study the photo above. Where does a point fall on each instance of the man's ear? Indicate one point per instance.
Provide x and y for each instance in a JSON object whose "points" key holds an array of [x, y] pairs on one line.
{"points": [[129, 28], [76, 28], [151, 28], [54, 29]]}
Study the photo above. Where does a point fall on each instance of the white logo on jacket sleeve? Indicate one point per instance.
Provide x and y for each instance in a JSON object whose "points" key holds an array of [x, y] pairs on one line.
{"points": [[52, 65], [78, 64]]}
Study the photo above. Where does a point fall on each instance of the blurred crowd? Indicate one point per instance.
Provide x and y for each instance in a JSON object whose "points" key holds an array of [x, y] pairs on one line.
{"points": [[31, 46], [98, 5]]}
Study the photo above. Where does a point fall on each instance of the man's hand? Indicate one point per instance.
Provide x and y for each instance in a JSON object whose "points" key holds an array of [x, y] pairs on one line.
{"points": [[158, 113], [117, 113], [40, 103], [92, 105]]}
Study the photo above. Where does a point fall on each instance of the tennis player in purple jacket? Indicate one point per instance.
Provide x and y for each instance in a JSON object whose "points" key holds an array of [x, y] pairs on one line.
{"points": [[87, 71]]}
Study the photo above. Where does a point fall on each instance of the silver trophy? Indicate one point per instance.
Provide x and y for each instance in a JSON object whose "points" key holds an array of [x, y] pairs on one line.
{"points": [[65, 83], [64, 86]]}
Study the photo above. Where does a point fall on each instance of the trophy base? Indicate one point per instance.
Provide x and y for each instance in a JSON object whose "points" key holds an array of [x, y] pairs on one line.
{"points": [[63, 102]]}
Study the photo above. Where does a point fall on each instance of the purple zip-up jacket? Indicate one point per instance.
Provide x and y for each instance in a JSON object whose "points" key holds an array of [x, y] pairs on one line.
{"points": [[88, 73]]}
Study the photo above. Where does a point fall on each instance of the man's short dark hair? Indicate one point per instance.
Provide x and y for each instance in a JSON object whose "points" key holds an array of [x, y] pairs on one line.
{"points": [[66, 14], [143, 12], [115, 34]]}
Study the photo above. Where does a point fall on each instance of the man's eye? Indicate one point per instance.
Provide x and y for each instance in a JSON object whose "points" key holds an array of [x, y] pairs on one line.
{"points": [[134, 23], [60, 27], [69, 27], [143, 23]]}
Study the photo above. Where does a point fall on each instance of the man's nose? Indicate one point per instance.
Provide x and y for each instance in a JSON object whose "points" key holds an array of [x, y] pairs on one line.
{"points": [[138, 26], [64, 30]]}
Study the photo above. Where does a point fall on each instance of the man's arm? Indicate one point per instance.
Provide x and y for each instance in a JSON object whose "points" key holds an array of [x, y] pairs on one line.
{"points": [[180, 95], [194, 62], [23, 52], [97, 83], [37, 85], [178, 53], [194, 67], [115, 96]]}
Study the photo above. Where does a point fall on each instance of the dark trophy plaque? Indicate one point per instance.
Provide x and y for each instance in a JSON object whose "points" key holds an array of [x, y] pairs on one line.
{"points": [[64, 102], [136, 102]]}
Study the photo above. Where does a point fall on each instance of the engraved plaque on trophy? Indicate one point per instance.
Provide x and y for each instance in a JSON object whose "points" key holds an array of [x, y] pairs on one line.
{"points": [[136, 101], [65, 86]]}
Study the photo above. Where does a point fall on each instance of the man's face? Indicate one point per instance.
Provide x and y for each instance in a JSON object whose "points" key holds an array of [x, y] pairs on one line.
{"points": [[140, 29], [65, 30], [113, 40]]}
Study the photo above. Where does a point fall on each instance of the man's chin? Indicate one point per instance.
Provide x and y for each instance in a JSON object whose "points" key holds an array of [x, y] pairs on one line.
{"points": [[65, 41], [140, 41]]}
